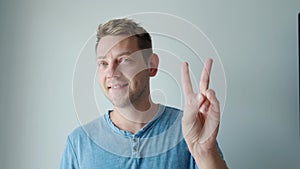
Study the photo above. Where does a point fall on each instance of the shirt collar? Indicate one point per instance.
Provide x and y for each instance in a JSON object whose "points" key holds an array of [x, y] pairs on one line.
{"points": [[139, 133]]}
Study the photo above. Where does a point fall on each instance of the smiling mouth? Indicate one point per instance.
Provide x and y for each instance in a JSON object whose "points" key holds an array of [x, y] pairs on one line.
{"points": [[118, 86]]}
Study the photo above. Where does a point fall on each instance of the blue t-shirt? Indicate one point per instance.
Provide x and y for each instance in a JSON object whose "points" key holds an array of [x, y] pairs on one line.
{"points": [[101, 145]]}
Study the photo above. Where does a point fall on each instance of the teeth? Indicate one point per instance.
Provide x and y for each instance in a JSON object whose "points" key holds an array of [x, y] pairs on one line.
{"points": [[118, 86]]}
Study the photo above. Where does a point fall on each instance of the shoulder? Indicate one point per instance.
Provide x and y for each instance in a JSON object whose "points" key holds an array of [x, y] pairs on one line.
{"points": [[167, 121], [171, 114], [82, 132], [170, 109]]}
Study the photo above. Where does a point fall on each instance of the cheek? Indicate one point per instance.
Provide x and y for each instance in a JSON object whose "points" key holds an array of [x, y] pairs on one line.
{"points": [[100, 78], [133, 73], [140, 79]]}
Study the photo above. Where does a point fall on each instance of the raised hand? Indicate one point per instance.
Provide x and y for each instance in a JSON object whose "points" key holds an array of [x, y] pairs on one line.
{"points": [[201, 114]]}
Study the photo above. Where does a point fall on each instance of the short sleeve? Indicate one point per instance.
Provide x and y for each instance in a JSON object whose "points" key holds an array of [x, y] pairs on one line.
{"points": [[69, 158]]}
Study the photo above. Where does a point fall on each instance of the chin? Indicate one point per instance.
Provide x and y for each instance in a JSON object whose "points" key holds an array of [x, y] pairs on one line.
{"points": [[120, 103]]}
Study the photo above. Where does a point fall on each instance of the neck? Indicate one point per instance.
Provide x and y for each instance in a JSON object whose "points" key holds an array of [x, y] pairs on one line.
{"points": [[133, 118]]}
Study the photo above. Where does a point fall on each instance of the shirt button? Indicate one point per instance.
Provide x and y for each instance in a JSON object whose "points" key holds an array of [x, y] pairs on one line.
{"points": [[134, 140], [134, 149]]}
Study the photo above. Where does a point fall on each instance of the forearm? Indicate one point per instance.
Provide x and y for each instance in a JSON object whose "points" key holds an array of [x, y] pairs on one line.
{"points": [[209, 159]]}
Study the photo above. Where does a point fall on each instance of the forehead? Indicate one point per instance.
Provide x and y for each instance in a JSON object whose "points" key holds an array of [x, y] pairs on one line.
{"points": [[112, 44]]}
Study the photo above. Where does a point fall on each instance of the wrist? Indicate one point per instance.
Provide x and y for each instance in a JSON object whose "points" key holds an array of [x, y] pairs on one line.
{"points": [[208, 158], [204, 153]]}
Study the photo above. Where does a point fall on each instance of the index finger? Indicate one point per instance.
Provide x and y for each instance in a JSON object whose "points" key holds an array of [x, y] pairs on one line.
{"points": [[204, 79], [185, 79]]}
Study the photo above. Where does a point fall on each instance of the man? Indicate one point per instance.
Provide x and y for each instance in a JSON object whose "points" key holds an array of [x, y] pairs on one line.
{"points": [[137, 133]]}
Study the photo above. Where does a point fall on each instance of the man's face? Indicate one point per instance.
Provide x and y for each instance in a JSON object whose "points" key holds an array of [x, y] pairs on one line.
{"points": [[122, 71]]}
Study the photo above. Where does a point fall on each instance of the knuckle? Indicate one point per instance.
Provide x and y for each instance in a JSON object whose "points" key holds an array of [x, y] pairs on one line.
{"points": [[210, 93]]}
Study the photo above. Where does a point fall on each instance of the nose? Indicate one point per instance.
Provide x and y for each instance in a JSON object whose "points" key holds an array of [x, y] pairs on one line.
{"points": [[112, 70]]}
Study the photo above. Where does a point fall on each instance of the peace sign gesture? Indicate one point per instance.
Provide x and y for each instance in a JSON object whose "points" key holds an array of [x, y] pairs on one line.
{"points": [[201, 116]]}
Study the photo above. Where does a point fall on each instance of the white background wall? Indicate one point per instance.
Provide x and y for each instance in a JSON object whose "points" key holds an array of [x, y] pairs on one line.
{"points": [[257, 42]]}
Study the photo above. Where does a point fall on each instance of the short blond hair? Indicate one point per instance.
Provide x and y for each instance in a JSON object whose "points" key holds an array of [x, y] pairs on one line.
{"points": [[128, 27]]}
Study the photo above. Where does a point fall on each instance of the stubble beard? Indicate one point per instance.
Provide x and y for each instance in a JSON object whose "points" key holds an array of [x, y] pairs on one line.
{"points": [[136, 95]]}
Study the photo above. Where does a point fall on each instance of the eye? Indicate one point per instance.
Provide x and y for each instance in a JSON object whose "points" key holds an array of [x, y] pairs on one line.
{"points": [[124, 60], [101, 63]]}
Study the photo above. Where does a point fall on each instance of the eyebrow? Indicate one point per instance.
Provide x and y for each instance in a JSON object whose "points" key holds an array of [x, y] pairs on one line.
{"points": [[118, 55]]}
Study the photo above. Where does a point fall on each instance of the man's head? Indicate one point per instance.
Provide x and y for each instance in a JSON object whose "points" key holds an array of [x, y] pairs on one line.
{"points": [[125, 62]]}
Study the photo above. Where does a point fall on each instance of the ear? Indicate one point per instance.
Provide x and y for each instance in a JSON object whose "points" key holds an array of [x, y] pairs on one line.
{"points": [[153, 64]]}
